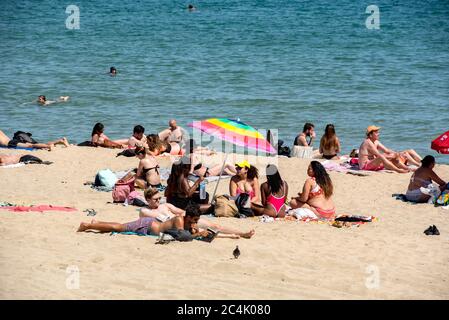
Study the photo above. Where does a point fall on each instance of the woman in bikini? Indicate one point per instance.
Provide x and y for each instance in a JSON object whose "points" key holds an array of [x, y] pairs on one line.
{"points": [[422, 177], [179, 191], [99, 139], [148, 170], [316, 193], [330, 144], [245, 181], [274, 192]]}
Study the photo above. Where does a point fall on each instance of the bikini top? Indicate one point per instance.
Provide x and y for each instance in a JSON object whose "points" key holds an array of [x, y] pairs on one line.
{"points": [[252, 194], [316, 190], [145, 170]]}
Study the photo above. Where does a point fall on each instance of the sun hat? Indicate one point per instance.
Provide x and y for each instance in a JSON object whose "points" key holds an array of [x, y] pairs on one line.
{"points": [[371, 129], [243, 164]]}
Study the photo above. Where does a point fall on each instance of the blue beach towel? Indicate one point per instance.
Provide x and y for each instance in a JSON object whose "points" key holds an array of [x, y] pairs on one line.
{"points": [[19, 148], [133, 233]]}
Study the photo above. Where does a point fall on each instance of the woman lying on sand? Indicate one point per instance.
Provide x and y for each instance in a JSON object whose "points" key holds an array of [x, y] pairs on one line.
{"points": [[317, 192], [99, 139], [199, 169], [274, 193], [148, 170], [9, 159], [422, 177], [168, 211], [5, 141]]}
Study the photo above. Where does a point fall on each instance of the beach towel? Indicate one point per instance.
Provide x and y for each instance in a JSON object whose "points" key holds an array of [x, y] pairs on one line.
{"points": [[302, 214], [20, 164], [348, 220], [302, 152], [403, 197], [344, 167], [19, 148], [133, 234], [39, 208]]}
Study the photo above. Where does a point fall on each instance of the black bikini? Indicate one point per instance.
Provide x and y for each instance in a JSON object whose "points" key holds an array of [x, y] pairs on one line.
{"points": [[145, 171], [329, 157]]}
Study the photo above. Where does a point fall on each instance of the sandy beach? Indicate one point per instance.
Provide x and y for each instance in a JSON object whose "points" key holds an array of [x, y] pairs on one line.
{"points": [[389, 258]]}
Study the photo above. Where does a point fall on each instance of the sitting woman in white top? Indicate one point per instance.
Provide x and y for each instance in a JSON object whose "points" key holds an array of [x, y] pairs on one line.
{"points": [[422, 177]]}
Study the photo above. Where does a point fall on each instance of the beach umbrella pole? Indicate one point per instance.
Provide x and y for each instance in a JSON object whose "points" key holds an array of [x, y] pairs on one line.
{"points": [[219, 178]]}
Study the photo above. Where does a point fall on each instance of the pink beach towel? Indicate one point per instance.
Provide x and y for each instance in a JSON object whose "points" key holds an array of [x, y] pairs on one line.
{"points": [[40, 208]]}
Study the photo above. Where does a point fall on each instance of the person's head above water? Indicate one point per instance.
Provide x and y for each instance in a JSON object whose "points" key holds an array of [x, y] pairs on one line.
{"points": [[98, 129], [191, 7], [41, 99], [113, 71]]}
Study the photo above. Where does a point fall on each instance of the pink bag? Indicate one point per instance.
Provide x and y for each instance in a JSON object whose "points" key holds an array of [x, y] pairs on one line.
{"points": [[122, 189]]}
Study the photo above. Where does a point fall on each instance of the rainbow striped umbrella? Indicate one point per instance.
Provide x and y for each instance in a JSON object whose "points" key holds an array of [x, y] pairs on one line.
{"points": [[236, 132]]}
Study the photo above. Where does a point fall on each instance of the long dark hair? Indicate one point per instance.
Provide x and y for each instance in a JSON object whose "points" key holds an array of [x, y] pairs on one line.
{"points": [[252, 173], [322, 178], [172, 182], [98, 127], [427, 161], [274, 179], [329, 138]]}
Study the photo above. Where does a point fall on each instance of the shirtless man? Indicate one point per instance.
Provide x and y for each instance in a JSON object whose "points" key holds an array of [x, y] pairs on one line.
{"points": [[371, 159], [308, 131], [138, 137], [5, 141], [173, 135]]}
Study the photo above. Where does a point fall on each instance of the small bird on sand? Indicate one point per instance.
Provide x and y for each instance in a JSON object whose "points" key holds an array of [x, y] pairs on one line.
{"points": [[236, 252]]}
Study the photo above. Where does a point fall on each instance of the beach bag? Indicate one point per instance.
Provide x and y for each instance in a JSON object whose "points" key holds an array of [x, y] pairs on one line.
{"points": [[105, 178], [225, 207], [127, 153], [85, 144], [242, 205], [122, 190], [283, 150], [302, 152], [23, 137], [136, 199]]}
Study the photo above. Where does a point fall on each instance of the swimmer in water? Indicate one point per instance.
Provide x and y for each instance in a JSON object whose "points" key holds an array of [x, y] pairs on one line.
{"points": [[113, 71], [43, 100], [191, 8]]}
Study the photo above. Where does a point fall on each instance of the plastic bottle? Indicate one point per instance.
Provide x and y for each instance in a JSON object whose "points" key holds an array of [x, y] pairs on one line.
{"points": [[203, 190]]}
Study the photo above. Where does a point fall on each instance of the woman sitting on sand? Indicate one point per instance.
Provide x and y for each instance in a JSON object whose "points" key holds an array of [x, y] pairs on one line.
{"points": [[422, 177], [245, 181], [179, 192], [99, 139], [148, 170], [5, 141], [274, 193], [317, 192], [330, 144], [167, 211], [200, 169]]}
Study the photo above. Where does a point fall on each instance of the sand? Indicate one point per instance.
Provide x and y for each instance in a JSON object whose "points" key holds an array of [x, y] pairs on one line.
{"points": [[43, 257]]}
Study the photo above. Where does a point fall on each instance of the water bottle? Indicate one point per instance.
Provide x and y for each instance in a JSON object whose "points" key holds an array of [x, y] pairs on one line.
{"points": [[203, 190]]}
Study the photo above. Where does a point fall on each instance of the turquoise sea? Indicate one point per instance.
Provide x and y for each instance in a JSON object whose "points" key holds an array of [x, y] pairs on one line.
{"points": [[274, 64]]}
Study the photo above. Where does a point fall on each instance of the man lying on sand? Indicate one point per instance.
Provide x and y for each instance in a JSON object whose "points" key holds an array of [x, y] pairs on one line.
{"points": [[5, 141], [371, 159], [169, 211]]}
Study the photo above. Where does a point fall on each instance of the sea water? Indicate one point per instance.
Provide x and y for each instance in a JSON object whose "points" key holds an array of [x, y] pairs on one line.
{"points": [[274, 64]]}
